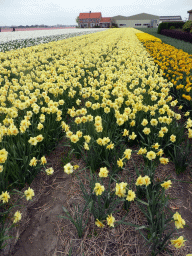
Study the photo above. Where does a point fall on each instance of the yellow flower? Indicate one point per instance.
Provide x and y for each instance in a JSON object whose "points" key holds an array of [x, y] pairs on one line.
{"points": [[40, 126], [106, 140], [127, 153], [98, 189], [121, 189], [68, 168], [178, 242], [99, 128], [110, 220], [120, 121], [125, 133], [74, 138], [166, 184], [76, 167], [33, 162], [87, 138], [131, 195], [39, 137], [99, 141], [99, 224], [110, 146], [160, 152], [5, 197], [140, 181], [146, 180], [103, 172], [49, 171], [161, 134], [178, 116], [78, 101], [107, 110], [142, 151], [78, 120], [43, 160], [132, 136], [156, 146], [146, 130], [151, 155], [189, 133], [69, 134], [164, 129], [144, 122], [29, 193], [132, 123], [179, 222], [187, 113], [79, 134], [164, 160], [153, 122], [86, 146], [172, 138], [120, 163], [33, 141], [17, 217]]}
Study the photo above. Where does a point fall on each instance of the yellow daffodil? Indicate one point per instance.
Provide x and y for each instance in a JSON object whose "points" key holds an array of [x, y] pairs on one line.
{"points": [[130, 196], [68, 168], [166, 184], [99, 224], [110, 220], [98, 189], [29, 193], [178, 242], [5, 197], [103, 173], [17, 217]]}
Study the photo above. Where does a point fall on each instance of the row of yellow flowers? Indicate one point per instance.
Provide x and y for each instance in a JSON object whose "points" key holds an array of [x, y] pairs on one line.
{"points": [[175, 63]]}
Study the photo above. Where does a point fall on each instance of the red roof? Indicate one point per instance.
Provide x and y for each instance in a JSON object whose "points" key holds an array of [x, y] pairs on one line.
{"points": [[105, 20], [92, 15]]}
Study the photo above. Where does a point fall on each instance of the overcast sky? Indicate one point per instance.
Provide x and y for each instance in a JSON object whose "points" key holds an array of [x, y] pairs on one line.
{"points": [[53, 12]]}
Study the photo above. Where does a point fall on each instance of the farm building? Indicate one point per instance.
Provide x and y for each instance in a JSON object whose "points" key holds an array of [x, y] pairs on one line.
{"points": [[92, 19], [141, 20], [190, 14]]}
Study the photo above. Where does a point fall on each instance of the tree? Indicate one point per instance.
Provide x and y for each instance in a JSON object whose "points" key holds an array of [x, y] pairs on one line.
{"points": [[77, 20]]}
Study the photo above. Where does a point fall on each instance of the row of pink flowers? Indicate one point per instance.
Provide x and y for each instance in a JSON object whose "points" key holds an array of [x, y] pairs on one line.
{"points": [[30, 29]]}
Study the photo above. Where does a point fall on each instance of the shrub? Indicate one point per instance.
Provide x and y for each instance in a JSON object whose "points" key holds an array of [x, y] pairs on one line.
{"points": [[168, 25], [181, 35], [114, 25], [187, 26], [163, 25], [172, 27]]}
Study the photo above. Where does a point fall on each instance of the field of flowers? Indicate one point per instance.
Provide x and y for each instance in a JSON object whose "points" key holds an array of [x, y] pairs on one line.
{"points": [[22, 39], [105, 93], [34, 28], [176, 65]]}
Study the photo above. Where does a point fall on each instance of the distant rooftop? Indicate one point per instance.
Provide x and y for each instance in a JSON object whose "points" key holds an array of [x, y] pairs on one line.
{"points": [[90, 15], [170, 18]]}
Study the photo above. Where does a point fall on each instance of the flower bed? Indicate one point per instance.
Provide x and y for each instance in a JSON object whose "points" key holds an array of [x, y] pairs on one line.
{"points": [[105, 93]]}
